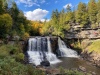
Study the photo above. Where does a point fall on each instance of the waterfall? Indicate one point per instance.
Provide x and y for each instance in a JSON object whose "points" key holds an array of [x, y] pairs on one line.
{"points": [[64, 51], [39, 49], [49, 45]]}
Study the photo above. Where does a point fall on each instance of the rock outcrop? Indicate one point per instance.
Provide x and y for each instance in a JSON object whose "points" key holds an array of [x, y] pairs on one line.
{"points": [[92, 57], [45, 63]]}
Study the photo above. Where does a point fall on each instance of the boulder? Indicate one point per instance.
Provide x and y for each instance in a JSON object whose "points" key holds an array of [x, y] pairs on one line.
{"points": [[93, 73], [82, 68], [45, 63], [93, 57]]}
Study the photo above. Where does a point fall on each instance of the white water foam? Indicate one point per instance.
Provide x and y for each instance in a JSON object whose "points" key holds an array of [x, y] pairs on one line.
{"points": [[64, 51], [37, 51]]}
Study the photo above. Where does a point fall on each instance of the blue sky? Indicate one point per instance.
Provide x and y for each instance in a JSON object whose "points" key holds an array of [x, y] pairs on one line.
{"points": [[41, 9]]}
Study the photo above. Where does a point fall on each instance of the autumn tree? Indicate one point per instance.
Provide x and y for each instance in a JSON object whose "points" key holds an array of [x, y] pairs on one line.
{"points": [[3, 6], [47, 28], [19, 20], [5, 24], [14, 12], [36, 27]]}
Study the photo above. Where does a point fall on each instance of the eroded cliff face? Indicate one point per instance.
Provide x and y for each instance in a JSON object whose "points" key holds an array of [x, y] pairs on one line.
{"points": [[54, 44], [90, 55]]}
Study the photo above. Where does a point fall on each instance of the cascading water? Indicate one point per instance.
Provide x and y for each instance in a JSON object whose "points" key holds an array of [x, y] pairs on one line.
{"points": [[49, 45], [40, 50], [64, 51]]}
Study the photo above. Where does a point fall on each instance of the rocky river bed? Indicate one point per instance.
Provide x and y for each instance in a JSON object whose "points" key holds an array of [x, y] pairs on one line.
{"points": [[73, 65]]}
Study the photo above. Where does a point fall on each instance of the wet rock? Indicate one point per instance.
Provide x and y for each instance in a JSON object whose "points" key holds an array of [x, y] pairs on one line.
{"points": [[82, 68], [93, 73], [45, 63], [92, 57], [52, 72], [41, 68], [48, 70], [1, 42]]}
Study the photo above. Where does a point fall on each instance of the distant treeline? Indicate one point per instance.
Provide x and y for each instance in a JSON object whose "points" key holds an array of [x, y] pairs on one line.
{"points": [[13, 22], [86, 15]]}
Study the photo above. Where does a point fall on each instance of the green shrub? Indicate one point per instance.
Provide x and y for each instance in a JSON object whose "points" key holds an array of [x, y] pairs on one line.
{"points": [[75, 72], [33, 71], [25, 36], [62, 70], [77, 45], [95, 46], [4, 51], [69, 72], [12, 50], [20, 57], [8, 66]]}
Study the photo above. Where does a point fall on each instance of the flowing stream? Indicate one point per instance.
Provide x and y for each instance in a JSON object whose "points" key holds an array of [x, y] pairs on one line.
{"points": [[40, 50], [75, 63], [64, 51]]}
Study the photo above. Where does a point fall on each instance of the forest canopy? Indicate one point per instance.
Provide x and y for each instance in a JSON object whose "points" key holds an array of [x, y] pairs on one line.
{"points": [[85, 15]]}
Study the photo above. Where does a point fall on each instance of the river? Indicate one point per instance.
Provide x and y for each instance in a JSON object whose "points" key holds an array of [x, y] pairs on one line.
{"points": [[73, 63]]}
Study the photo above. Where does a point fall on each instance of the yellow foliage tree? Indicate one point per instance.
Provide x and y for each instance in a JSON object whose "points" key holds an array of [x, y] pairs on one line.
{"points": [[37, 26]]}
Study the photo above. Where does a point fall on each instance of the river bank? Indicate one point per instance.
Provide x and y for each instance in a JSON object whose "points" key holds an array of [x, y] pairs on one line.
{"points": [[88, 49], [56, 71], [62, 70], [92, 57], [80, 66], [91, 51]]}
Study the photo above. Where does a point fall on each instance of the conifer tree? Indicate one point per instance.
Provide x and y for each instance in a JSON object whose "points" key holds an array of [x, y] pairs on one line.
{"points": [[82, 14], [98, 15], [62, 17], [92, 11]]}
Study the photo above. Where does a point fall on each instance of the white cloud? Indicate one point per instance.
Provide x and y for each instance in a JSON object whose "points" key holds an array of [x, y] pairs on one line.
{"points": [[42, 1], [28, 3], [65, 6], [35, 1], [37, 14], [44, 20]]}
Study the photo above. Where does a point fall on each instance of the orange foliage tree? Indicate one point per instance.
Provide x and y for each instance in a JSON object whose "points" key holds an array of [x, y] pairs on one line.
{"points": [[37, 27]]}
